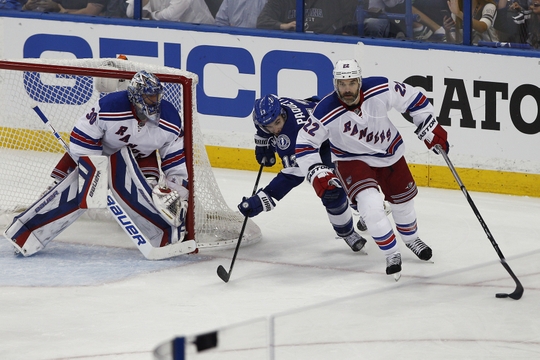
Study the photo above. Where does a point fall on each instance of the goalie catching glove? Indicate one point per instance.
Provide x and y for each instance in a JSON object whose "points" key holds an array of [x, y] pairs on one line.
{"points": [[171, 202], [264, 151], [256, 204], [432, 133], [325, 182]]}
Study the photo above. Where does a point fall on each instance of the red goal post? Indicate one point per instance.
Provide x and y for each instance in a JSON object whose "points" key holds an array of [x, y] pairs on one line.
{"points": [[64, 90]]}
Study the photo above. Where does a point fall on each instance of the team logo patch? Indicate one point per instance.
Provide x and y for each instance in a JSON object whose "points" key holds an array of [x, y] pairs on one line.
{"points": [[283, 142]]}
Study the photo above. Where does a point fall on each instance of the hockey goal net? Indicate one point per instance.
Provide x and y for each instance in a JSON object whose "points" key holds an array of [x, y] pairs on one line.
{"points": [[64, 90]]}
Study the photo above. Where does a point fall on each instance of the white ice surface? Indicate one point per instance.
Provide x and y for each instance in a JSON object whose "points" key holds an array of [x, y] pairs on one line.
{"points": [[91, 295]]}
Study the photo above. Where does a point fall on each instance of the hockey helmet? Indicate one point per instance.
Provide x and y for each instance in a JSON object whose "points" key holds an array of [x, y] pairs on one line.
{"points": [[266, 110], [143, 85], [347, 69]]}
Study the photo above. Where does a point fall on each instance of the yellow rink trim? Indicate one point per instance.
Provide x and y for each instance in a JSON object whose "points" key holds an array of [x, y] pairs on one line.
{"points": [[500, 182], [26, 139]]}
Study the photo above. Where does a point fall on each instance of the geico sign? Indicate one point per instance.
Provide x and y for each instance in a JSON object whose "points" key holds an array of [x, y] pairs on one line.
{"points": [[455, 96], [200, 56]]}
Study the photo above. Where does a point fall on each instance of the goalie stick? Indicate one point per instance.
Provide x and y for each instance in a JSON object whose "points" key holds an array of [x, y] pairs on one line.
{"points": [[123, 219], [222, 273], [518, 292]]}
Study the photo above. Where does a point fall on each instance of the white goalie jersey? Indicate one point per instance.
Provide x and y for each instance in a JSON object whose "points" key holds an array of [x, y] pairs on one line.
{"points": [[111, 125]]}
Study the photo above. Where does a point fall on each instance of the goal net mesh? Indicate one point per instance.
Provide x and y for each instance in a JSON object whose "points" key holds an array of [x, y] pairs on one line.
{"points": [[29, 151]]}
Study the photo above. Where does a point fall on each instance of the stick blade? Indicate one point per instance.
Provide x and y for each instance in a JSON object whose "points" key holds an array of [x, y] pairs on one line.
{"points": [[516, 295], [223, 274]]}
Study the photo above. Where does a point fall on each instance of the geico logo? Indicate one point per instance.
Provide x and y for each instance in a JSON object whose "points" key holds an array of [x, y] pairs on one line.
{"points": [[264, 72]]}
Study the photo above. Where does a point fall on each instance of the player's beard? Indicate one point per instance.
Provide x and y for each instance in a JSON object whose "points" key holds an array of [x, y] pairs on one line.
{"points": [[350, 98]]}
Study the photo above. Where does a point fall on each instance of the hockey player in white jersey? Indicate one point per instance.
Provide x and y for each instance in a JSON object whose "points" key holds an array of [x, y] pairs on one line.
{"points": [[128, 127], [278, 121], [368, 153]]}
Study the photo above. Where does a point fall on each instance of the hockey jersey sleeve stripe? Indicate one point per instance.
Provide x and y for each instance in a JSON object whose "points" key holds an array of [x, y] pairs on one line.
{"points": [[173, 160], [80, 138], [420, 102], [396, 143], [304, 150], [167, 126], [376, 90], [115, 116]]}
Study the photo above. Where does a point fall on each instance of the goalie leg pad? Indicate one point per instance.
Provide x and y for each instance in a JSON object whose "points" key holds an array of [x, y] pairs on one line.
{"points": [[93, 185], [58, 208], [131, 190]]}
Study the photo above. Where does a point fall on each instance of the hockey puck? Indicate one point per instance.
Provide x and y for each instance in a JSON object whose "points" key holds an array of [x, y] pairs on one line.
{"points": [[501, 295]]}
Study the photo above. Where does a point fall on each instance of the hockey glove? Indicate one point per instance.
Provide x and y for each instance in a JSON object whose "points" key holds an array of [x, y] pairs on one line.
{"points": [[432, 133], [171, 205], [325, 182], [264, 151], [256, 204]]}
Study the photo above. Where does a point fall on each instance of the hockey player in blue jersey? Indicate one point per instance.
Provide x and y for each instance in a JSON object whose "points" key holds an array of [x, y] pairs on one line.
{"points": [[278, 121], [127, 127], [368, 153]]}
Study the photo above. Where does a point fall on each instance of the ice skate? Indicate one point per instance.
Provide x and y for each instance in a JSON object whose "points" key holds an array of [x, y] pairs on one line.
{"points": [[393, 265], [420, 249], [355, 241]]}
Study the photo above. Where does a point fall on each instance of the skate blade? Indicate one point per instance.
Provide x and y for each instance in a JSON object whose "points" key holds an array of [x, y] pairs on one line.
{"points": [[397, 276], [362, 251]]}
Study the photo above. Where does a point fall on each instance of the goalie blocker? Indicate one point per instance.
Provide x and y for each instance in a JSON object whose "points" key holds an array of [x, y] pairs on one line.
{"points": [[128, 197]]}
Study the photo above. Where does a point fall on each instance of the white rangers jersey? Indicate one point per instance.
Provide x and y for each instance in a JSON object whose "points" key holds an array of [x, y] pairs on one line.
{"points": [[363, 132], [111, 125]]}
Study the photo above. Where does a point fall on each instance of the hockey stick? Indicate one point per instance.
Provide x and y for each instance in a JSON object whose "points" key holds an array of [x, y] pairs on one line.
{"points": [[222, 273], [518, 292], [123, 219]]}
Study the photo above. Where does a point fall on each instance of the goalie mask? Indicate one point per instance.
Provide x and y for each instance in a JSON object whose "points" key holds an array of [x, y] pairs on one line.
{"points": [[266, 110], [347, 70], [145, 93]]}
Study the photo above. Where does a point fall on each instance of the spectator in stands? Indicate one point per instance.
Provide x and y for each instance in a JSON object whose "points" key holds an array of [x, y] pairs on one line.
{"points": [[529, 23], [483, 17], [321, 17], [239, 13], [377, 27], [79, 7], [507, 29], [424, 29], [188, 11], [431, 14]]}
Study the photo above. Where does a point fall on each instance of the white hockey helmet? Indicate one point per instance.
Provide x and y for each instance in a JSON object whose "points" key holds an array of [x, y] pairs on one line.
{"points": [[347, 69]]}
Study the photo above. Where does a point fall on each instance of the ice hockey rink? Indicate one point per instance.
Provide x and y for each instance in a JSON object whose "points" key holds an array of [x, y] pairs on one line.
{"points": [[91, 295]]}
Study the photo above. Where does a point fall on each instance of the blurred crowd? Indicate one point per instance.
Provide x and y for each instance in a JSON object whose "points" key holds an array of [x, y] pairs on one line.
{"points": [[511, 23]]}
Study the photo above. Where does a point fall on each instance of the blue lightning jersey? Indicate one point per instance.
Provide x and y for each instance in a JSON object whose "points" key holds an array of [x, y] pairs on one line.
{"points": [[297, 112]]}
